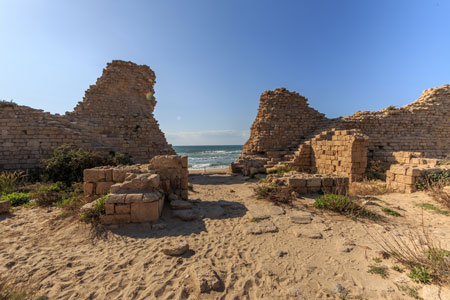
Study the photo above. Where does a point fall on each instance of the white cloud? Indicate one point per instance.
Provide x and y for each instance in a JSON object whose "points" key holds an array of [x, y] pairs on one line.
{"points": [[211, 137]]}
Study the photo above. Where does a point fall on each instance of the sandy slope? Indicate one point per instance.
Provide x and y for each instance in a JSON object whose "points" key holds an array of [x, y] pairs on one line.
{"points": [[62, 259]]}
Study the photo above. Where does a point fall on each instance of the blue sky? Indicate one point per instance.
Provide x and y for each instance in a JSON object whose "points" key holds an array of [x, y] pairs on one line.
{"points": [[213, 59]]}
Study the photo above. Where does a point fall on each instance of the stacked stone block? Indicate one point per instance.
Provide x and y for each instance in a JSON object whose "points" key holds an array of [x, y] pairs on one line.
{"points": [[137, 192], [403, 178], [420, 127], [116, 115], [304, 183]]}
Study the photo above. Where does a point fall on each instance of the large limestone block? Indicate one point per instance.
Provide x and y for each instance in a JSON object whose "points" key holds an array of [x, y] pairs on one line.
{"points": [[5, 206], [144, 212], [94, 175], [103, 188]]}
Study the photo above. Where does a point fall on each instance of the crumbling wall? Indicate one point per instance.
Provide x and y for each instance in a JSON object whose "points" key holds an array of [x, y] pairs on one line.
{"points": [[116, 114], [403, 178], [285, 120], [136, 193]]}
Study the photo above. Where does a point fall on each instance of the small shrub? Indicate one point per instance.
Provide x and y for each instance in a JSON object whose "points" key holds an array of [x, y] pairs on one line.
{"points": [[397, 268], [281, 170], [343, 205], [93, 215], [391, 212], [11, 181], [437, 210], [410, 291], [4, 103], [383, 271], [17, 199], [420, 274], [190, 186], [47, 195], [68, 162], [390, 108]]}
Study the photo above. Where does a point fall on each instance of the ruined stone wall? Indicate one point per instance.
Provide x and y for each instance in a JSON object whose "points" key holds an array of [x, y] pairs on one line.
{"points": [[340, 152], [116, 114], [284, 119]]}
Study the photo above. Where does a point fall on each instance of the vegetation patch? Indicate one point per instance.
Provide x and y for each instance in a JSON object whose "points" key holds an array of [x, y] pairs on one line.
{"points": [[383, 271], [93, 215], [274, 193], [391, 212], [11, 181], [397, 268], [431, 207], [344, 205], [4, 103], [280, 170], [16, 198], [420, 274], [368, 187]]}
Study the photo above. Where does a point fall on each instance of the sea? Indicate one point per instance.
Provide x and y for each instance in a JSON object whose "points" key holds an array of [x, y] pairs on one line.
{"points": [[209, 157]]}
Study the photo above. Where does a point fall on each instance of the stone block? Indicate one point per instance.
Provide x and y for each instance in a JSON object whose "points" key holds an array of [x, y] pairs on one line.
{"points": [[109, 175], [327, 182], [122, 209], [116, 198], [301, 189], [313, 189], [296, 182], [313, 182], [119, 175], [94, 175], [89, 188], [109, 208], [5, 206], [103, 188], [115, 188], [144, 212], [184, 161], [133, 198], [153, 180], [115, 219], [152, 197], [184, 194]]}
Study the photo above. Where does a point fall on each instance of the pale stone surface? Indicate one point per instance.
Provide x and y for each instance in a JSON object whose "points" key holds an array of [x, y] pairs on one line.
{"points": [[180, 249], [205, 278], [265, 226], [301, 217], [5, 206]]}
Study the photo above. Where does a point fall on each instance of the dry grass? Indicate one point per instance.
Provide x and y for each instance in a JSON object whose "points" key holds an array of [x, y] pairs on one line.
{"points": [[368, 187], [420, 252], [437, 191]]}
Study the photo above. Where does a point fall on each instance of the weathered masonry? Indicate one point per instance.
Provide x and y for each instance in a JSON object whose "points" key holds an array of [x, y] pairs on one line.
{"points": [[287, 131], [116, 114]]}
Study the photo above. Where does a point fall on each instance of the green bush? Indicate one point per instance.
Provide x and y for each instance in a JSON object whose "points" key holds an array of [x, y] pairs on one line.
{"points": [[420, 274], [11, 181], [68, 162], [343, 205], [17, 199], [47, 195], [93, 214]]}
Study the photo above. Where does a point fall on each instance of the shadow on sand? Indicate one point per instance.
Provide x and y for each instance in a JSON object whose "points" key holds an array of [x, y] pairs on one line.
{"points": [[175, 227], [221, 178]]}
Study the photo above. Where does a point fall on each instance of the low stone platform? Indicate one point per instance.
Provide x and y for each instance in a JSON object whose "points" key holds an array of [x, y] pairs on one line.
{"points": [[304, 183], [403, 178], [137, 193], [4, 207]]}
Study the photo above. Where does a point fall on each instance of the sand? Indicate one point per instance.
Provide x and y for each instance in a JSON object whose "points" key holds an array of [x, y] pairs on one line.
{"points": [[291, 253]]}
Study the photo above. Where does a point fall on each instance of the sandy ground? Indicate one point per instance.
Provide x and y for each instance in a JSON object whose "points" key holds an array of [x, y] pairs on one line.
{"points": [[275, 258]]}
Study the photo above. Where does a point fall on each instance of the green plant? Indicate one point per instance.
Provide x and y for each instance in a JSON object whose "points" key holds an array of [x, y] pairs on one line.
{"points": [[46, 195], [377, 260], [280, 170], [383, 271], [343, 205], [98, 209], [433, 208], [11, 181], [190, 186], [68, 162], [4, 103], [391, 107], [397, 268], [254, 220], [410, 291], [16, 198], [391, 212], [252, 176], [420, 274]]}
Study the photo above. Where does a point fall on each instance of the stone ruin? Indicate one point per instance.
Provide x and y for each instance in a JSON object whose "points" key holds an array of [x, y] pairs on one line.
{"points": [[287, 131], [137, 193], [116, 115], [303, 183]]}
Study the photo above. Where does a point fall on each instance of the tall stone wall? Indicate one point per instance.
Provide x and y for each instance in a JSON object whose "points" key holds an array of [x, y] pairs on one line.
{"points": [[284, 119], [116, 114]]}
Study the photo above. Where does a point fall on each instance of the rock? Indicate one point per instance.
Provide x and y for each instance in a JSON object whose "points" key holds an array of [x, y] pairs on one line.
{"points": [[87, 206], [296, 194], [205, 278], [281, 253], [339, 289], [309, 232], [185, 214], [347, 249], [214, 212], [180, 204], [177, 251], [262, 227], [275, 210], [383, 254], [5, 206], [434, 292], [172, 197], [159, 226], [301, 217], [257, 213]]}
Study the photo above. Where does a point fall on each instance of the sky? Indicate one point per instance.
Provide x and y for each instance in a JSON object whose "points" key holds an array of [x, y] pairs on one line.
{"points": [[213, 59]]}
